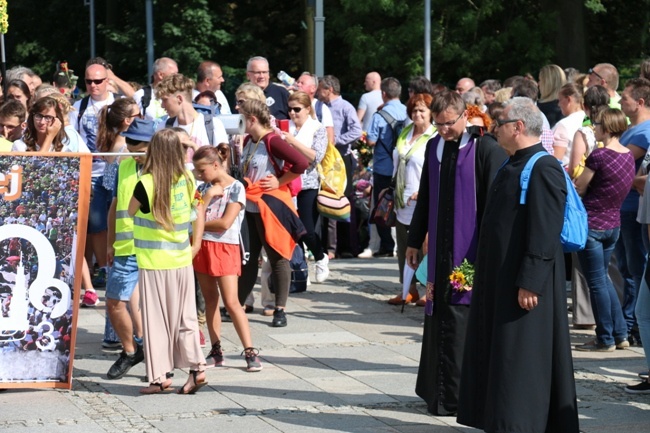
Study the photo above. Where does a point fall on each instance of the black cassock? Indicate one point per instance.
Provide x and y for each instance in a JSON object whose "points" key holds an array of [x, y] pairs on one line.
{"points": [[517, 371], [443, 337]]}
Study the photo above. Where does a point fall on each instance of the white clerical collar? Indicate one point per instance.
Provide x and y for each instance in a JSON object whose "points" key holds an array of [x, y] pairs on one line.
{"points": [[463, 142]]}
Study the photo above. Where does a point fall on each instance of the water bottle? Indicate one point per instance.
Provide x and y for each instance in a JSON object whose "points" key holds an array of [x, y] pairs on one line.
{"points": [[286, 79]]}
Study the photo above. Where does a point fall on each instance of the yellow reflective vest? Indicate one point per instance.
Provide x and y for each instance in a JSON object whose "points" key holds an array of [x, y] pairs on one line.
{"points": [[127, 178], [155, 247]]}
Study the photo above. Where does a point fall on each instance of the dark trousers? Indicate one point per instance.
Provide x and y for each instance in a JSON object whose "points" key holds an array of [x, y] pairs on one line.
{"points": [[280, 268], [308, 214], [379, 183]]}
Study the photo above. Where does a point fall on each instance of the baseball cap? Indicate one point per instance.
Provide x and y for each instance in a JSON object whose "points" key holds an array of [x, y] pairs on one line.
{"points": [[140, 130]]}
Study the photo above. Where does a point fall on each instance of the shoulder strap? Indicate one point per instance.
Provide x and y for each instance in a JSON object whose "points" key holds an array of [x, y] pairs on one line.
{"points": [[524, 179], [82, 108], [146, 98], [319, 111], [209, 128], [388, 118]]}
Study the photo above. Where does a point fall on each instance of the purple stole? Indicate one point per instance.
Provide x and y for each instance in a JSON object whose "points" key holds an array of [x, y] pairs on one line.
{"points": [[465, 233]]}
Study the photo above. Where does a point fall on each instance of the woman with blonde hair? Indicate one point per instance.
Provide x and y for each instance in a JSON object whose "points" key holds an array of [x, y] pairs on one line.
{"points": [[264, 150], [161, 206], [551, 80], [309, 137]]}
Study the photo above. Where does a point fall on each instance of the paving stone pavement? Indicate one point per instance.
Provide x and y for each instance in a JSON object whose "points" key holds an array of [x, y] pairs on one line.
{"points": [[347, 362]]}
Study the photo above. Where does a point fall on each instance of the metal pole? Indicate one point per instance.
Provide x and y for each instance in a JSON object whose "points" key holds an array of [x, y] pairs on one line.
{"points": [[319, 40], [92, 29], [427, 39], [149, 17], [4, 63]]}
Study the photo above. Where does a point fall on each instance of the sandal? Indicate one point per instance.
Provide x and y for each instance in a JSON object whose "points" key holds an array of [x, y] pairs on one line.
{"points": [[197, 384], [157, 388]]}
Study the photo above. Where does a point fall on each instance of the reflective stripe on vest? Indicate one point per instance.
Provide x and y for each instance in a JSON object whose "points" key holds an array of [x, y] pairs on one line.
{"points": [[155, 247], [127, 180]]}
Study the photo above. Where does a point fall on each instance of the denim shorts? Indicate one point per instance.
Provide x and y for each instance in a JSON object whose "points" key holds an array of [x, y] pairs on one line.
{"points": [[122, 278], [99, 205]]}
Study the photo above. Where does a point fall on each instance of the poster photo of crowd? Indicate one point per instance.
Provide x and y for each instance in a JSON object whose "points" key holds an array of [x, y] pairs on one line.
{"points": [[42, 220]]}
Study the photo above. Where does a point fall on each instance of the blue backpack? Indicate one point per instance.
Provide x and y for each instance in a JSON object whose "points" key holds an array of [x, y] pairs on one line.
{"points": [[574, 230]]}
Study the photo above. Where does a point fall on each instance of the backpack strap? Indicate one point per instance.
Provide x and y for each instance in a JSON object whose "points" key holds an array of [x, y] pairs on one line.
{"points": [[524, 179], [392, 122], [319, 111], [209, 128], [82, 108], [146, 99]]}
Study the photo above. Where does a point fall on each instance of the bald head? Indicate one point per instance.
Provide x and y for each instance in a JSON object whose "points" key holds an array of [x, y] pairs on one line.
{"points": [[372, 82], [464, 84]]}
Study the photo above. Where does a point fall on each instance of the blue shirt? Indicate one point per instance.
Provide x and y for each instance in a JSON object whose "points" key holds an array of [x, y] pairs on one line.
{"points": [[382, 135], [638, 135], [347, 127]]}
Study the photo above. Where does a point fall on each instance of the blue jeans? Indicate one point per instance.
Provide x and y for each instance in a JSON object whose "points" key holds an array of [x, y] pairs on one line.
{"points": [[594, 259], [631, 257], [642, 311]]}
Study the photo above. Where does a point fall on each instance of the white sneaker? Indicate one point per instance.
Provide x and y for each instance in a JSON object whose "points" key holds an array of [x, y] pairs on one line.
{"points": [[366, 254], [322, 270]]}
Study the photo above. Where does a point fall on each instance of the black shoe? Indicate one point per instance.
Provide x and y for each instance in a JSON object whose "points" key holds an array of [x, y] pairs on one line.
{"points": [[380, 254], [279, 318], [124, 363]]}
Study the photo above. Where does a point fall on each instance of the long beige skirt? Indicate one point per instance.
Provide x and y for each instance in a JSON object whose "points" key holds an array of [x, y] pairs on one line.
{"points": [[171, 332]]}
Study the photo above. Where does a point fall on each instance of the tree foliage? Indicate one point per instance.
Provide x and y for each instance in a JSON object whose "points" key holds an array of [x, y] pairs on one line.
{"points": [[477, 38]]}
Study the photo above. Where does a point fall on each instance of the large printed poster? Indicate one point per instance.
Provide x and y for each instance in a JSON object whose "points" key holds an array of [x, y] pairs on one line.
{"points": [[43, 208]]}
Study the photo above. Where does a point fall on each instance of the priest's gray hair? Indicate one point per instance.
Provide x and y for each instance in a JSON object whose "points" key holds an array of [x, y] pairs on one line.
{"points": [[524, 109]]}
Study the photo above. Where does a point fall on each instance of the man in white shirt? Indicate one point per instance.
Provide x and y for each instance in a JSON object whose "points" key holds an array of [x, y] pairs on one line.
{"points": [[150, 106], [209, 76], [369, 101], [308, 83]]}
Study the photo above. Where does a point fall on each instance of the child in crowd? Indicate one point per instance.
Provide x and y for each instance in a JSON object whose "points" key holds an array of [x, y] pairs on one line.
{"points": [[161, 206], [218, 264]]}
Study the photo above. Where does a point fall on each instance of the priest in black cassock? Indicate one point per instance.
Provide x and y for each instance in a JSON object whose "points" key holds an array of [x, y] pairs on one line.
{"points": [[518, 372], [458, 168]]}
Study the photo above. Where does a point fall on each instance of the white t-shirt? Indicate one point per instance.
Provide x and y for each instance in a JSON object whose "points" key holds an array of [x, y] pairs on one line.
{"points": [[87, 127], [154, 109], [198, 134], [369, 101], [74, 143], [327, 120], [233, 193], [564, 131]]}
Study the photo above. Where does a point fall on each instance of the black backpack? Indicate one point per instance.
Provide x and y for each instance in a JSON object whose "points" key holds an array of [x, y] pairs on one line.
{"points": [[146, 98]]}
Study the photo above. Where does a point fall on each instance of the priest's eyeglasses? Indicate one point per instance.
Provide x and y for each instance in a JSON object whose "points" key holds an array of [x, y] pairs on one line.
{"points": [[448, 124]]}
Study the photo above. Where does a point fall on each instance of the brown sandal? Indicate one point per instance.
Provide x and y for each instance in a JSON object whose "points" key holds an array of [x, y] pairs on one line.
{"points": [[197, 384], [157, 388]]}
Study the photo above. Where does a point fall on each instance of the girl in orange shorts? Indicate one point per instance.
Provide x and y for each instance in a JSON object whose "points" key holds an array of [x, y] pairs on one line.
{"points": [[218, 263]]}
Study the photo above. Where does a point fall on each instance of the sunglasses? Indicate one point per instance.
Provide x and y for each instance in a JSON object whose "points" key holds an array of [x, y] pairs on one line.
{"points": [[95, 82], [296, 109], [591, 71]]}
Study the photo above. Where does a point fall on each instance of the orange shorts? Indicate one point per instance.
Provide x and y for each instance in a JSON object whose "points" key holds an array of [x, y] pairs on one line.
{"points": [[218, 259]]}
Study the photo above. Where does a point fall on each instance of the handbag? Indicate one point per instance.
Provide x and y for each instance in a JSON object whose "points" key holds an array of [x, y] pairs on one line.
{"points": [[383, 214], [333, 205]]}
